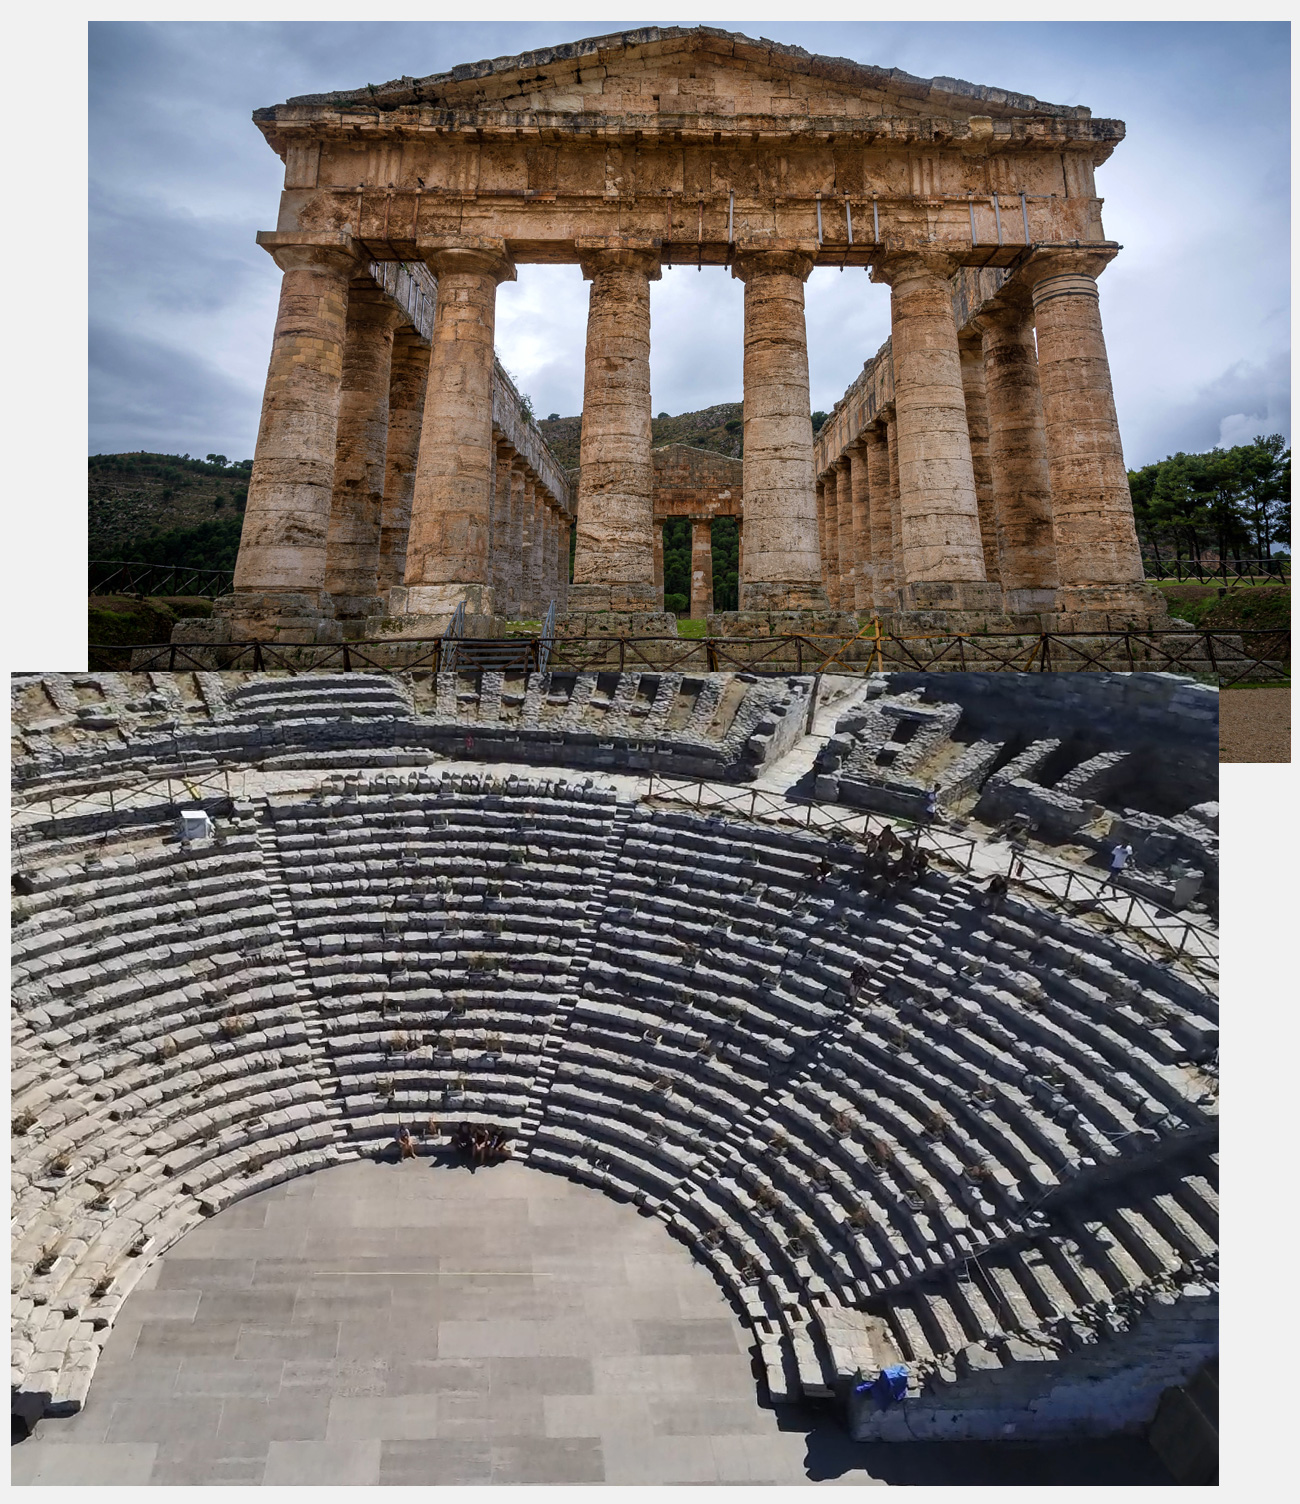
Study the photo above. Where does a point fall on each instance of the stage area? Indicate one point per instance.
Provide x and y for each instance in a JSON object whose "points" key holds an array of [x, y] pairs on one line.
{"points": [[383, 1323]]}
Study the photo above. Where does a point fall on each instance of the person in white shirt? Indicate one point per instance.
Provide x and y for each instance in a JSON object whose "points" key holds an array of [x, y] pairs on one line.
{"points": [[1118, 861]]}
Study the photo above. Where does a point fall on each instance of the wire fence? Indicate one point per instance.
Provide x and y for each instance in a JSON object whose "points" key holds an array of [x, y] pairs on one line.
{"points": [[115, 577], [1227, 657], [1211, 571], [1193, 947]]}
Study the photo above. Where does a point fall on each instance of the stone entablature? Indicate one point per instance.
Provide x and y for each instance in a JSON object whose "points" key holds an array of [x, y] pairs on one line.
{"points": [[662, 146], [692, 482]]}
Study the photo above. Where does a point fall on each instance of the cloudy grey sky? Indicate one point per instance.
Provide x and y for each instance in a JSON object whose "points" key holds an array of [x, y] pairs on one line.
{"points": [[182, 302]]}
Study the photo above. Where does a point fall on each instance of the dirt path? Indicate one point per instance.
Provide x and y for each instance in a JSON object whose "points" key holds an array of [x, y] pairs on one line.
{"points": [[1255, 725]]}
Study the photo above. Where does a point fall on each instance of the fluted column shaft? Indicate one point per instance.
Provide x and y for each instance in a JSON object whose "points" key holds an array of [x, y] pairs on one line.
{"points": [[942, 552], [1095, 536], [550, 553], [503, 460], [895, 510], [534, 543], [614, 565], [410, 373], [286, 517], [659, 559], [701, 567], [783, 560], [357, 502], [518, 532], [876, 449], [447, 559]]}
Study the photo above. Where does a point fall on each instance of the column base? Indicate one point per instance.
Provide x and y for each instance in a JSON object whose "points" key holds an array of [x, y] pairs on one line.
{"points": [[951, 595], [270, 616], [580, 623], [1030, 600], [637, 599], [358, 607], [1113, 608], [782, 595], [824, 623], [427, 610]]}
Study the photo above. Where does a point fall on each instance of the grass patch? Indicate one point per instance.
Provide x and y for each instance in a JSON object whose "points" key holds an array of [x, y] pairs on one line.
{"points": [[688, 626], [115, 619], [1257, 607]]}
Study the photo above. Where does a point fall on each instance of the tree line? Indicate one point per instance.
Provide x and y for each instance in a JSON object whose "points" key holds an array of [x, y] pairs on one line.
{"points": [[1230, 503]]}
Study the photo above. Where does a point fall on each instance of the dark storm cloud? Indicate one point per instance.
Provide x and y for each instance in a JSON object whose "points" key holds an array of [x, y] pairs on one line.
{"points": [[1195, 308]]}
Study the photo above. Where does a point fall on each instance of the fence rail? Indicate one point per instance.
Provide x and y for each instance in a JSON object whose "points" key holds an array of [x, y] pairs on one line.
{"points": [[117, 577], [1192, 947], [1207, 571], [1229, 657]]}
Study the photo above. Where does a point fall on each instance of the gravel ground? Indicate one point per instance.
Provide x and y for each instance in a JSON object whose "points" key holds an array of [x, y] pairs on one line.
{"points": [[1255, 725]]}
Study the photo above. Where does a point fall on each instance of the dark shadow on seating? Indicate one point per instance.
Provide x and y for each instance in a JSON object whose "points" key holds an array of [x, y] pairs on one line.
{"points": [[1116, 1461]]}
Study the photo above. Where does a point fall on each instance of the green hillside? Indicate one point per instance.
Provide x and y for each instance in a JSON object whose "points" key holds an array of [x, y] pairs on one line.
{"points": [[717, 428], [139, 497]]}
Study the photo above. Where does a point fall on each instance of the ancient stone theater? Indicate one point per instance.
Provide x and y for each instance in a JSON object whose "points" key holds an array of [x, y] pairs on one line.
{"points": [[971, 477], [848, 1086]]}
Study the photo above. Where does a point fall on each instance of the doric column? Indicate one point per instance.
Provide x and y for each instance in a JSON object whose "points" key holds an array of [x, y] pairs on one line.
{"points": [[831, 543], [614, 566], [782, 563], [550, 551], [502, 521], [405, 415], [515, 567], [357, 504], [1096, 541], [1021, 482], [658, 530], [447, 558], [864, 569], [701, 567], [531, 573], [563, 563], [286, 518], [876, 446], [895, 510], [977, 426], [820, 493], [848, 558], [942, 553]]}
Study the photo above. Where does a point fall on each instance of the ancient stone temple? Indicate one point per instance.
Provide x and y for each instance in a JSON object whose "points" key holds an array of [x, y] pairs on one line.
{"points": [[972, 475]]}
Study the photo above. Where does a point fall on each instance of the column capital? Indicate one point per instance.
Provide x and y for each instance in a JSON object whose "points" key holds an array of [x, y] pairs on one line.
{"points": [[368, 305], [297, 250], [1081, 264], [614, 253], [896, 266], [789, 258], [468, 253]]}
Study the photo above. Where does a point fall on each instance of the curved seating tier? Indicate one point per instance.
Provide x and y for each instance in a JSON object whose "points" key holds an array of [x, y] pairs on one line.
{"points": [[895, 1127]]}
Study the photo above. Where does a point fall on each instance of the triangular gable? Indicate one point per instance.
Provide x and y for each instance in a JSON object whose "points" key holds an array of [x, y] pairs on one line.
{"points": [[690, 71]]}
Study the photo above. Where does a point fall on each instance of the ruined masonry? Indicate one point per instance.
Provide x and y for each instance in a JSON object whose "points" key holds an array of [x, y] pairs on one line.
{"points": [[972, 477]]}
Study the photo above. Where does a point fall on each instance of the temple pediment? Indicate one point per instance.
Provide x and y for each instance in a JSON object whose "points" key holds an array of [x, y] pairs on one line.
{"points": [[679, 72]]}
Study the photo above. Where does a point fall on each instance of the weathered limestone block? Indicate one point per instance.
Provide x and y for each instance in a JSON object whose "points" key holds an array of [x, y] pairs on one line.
{"points": [[1096, 540], [1022, 488], [701, 568], [782, 560], [876, 450], [410, 375], [942, 552], [353, 544], [614, 564], [447, 550], [977, 423], [282, 552]]}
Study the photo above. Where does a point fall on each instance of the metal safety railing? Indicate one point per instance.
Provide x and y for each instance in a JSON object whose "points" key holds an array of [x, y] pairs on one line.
{"points": [[1212, 571], [119, 577], [1233, 657], [1193, 947]]}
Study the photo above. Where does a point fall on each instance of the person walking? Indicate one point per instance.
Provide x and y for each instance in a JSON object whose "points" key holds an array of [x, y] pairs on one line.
{"points": [[932, 804], [1119, 857]]}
